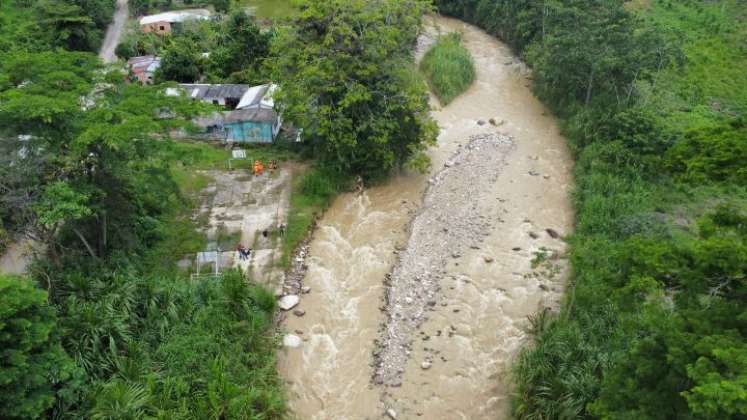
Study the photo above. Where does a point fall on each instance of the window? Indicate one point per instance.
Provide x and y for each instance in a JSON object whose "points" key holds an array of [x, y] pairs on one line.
{"points": [[163, 28]]}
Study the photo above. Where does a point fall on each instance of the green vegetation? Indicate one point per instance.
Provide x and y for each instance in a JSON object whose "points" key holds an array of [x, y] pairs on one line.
{"points": [[350, 83], [652, 96], [72, 24], [271, 9], [448, 67], [32, 361], [237, 50], [86, 172], [312, 194]]}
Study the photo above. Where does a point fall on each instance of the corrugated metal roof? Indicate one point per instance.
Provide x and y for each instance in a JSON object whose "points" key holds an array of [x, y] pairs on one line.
{"points": [[176, 16], [241, 115], [251, 115], [144, 63], [210, 92], [258, 97]]}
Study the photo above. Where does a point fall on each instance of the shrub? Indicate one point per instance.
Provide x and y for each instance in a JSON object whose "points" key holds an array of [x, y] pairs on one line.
{"points": [[449, 68], [32, 361]]}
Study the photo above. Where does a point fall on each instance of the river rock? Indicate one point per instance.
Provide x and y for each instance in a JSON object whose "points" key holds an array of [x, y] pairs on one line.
{"points": [[288, 302], [553, 233], [306, 290], [426, 365], [299, 312], [292, 341], [481, 122], [391, 414]]}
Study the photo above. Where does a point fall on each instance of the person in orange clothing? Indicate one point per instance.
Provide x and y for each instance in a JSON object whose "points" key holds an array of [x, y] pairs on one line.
{"points": [[259, 168]]}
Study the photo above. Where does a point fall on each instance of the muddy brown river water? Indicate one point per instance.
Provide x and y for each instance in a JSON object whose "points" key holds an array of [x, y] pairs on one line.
{"points": [[456, 361]]}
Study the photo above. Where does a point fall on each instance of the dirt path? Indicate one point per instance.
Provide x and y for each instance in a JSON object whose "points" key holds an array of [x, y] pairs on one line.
{"points": [[114, 33], [459, 256], [238, 207], [17, 257]]}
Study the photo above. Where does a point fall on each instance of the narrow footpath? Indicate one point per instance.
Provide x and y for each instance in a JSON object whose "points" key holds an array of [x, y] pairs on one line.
{"points": [[114, 33], [420, 289]]}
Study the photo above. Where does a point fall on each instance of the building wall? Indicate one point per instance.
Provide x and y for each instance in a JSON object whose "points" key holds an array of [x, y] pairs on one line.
{"points": [[159, 28], [250, 132], [144, 77]]}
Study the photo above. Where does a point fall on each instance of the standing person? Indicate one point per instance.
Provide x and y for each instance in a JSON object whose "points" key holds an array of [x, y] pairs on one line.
{"points": [[242, 252]]}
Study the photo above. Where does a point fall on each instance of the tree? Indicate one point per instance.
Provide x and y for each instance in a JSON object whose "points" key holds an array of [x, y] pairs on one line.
{"points": [[32, 362], [347, 78], [240, 49], [181, 62], [68, 26], [80, 171]]}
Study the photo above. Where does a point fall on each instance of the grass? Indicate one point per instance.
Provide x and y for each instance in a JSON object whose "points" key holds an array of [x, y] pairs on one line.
{"points": [[448, 67], [312, 193], [714, 85], [271, 9]]}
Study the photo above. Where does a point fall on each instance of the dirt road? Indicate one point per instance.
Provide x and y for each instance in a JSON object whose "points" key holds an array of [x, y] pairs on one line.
{"points": [[114, 33], [421, 288]]}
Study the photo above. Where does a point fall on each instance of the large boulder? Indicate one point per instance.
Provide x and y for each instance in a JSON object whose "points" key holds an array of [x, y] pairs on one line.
{"points": [[288, 302]]}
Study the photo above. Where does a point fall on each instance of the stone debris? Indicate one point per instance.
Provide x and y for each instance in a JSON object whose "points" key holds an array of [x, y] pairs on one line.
{"points": [[288, 302], [292, 341], [449, 223]]}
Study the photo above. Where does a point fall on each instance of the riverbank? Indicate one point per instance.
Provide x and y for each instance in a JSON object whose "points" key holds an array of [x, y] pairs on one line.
{"points": [[478, 322], [659, 248]]}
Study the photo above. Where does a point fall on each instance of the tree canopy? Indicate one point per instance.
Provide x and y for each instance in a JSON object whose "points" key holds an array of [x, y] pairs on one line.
{"points": [[348, 80], [32, 361]]}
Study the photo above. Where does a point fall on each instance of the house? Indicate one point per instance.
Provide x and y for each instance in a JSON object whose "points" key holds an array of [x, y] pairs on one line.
{"points": [[249, 116], [251, 125], [228, 96], [240, 126], [144, 68], [258, 97], [164, 23]]}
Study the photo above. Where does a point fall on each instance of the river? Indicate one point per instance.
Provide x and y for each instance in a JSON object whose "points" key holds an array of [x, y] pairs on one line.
{"points": [[454, 361]]}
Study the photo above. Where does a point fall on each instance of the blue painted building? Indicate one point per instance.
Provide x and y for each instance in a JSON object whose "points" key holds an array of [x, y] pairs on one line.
{"points": [[250, 116], [251, 125]]}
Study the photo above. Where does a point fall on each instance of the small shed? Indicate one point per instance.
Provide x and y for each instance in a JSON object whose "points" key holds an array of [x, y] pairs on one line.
{"points": [[144, 68]]}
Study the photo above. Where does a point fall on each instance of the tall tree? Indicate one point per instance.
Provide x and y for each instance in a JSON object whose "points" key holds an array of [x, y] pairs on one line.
{"points": [[240, 49], [80, 169], [348, 80]]}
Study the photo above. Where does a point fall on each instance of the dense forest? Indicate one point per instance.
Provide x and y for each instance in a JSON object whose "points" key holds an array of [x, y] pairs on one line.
{"points": [[653, 96], [106, 325]]}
